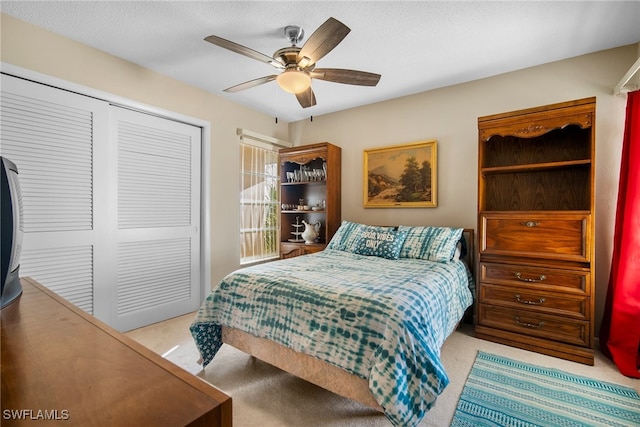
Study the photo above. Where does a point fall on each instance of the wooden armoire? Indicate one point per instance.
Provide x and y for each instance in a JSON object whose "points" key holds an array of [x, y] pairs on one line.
{"points": [[536, 229]]}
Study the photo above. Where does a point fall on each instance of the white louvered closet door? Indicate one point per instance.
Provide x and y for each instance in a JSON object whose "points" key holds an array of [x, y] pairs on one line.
{"points": [[157, 218], [58, 141], [111, 202]]}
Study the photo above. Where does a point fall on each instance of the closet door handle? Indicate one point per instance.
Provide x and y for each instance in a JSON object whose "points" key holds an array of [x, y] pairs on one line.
{"points": [[528, 325], [530, 224], [525, 279], [530, 302]]}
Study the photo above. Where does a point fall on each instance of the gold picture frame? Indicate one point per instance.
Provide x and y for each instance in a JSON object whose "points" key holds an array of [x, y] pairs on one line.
{"points": [[401, 176]]}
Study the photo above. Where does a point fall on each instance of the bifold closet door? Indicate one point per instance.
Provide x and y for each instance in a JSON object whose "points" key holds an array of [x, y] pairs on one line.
{"points": [[58, 140], [156, 217], [111, 202]]}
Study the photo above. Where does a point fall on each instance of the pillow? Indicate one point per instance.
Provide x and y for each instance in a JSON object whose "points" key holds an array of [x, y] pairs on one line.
{"points": [[384, 242], [346, 237], [430, 243]]}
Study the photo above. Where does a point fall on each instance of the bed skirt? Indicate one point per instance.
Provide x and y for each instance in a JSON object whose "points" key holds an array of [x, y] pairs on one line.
{"points": [[306, 367]]}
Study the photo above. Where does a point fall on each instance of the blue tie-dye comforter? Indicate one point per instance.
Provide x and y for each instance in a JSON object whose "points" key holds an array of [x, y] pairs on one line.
{"points": [[383, 320]]}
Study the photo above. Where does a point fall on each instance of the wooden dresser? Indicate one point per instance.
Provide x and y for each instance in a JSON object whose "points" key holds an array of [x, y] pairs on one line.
{"points": [[61, 364], [536, 229]]}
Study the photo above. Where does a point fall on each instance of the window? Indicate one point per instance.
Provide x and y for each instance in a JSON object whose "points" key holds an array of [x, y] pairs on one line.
{"points": [[259, 198]]}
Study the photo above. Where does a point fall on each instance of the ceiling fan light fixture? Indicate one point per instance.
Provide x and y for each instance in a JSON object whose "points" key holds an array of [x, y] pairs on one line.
{"points": [[294, 81]]}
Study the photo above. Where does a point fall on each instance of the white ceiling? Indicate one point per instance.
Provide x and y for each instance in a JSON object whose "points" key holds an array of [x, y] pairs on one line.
{"points": [[415, 45]]}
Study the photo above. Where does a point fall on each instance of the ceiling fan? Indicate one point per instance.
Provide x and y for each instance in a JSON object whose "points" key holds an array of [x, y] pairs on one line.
{"points": [[298, 64]]}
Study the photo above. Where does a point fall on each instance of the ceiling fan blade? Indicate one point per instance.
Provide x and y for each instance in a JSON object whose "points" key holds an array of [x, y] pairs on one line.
{"points": [[251, 83], [306, 98], [322, 41], [243, 50], [349, 77]]}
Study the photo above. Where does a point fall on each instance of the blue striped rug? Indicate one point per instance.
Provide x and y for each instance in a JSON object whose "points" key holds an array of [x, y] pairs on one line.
{"points": [[505, 392]]}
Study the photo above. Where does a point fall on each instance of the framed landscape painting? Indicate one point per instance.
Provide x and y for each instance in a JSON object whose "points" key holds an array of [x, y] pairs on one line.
{"points": [[401, 176]]}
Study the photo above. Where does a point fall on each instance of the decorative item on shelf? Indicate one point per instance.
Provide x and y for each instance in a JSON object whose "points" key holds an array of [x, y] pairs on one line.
{"points": [[307, 174], [297, 233], [320, 206], [311, 231]]}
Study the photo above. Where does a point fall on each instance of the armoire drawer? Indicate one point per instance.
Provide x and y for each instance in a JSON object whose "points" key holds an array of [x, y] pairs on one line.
{"points": [[290, 250], [528, 322], [541, 235], [574, 306], [539, 278]]}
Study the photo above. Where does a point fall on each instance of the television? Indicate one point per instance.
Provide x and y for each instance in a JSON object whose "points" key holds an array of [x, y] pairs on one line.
{"points": [[11, 232]]}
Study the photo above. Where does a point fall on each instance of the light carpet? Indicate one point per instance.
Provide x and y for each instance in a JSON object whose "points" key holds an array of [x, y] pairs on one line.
{"points": [[264, 396], [505, 392]]}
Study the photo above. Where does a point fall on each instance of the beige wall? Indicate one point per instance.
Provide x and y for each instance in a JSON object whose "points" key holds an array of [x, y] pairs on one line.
{"points": [[36, 49], [450, 115]]}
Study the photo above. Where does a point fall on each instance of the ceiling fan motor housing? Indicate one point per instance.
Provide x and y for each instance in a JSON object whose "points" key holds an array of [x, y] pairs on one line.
{"points": [[294, 34], [288, 56]]}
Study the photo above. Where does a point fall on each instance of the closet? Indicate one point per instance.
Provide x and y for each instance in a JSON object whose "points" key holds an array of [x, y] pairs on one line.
{"points": [[111, 202]]}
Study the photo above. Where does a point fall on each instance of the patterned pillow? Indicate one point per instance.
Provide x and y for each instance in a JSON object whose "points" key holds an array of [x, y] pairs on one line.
{"points": [[346, 237], [430, 243], [384, 242]]}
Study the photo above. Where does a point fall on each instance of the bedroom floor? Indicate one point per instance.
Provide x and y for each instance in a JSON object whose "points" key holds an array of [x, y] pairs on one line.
{"points": [[264, 396]]}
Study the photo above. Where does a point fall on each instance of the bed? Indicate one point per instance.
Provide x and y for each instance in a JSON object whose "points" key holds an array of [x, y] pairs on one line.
{"points": [[365, 318]]}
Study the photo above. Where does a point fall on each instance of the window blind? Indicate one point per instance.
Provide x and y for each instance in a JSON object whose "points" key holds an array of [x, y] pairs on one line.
{"points": [[259, 199]]}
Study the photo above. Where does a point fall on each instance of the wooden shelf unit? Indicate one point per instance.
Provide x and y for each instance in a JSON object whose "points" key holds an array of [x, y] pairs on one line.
{"points": [[536, 229], [324, 193]]}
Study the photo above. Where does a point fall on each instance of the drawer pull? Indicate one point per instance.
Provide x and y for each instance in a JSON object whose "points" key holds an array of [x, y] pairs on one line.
{"points": [[528, 325], [524, 279], [529, 224], [530, 302]]}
